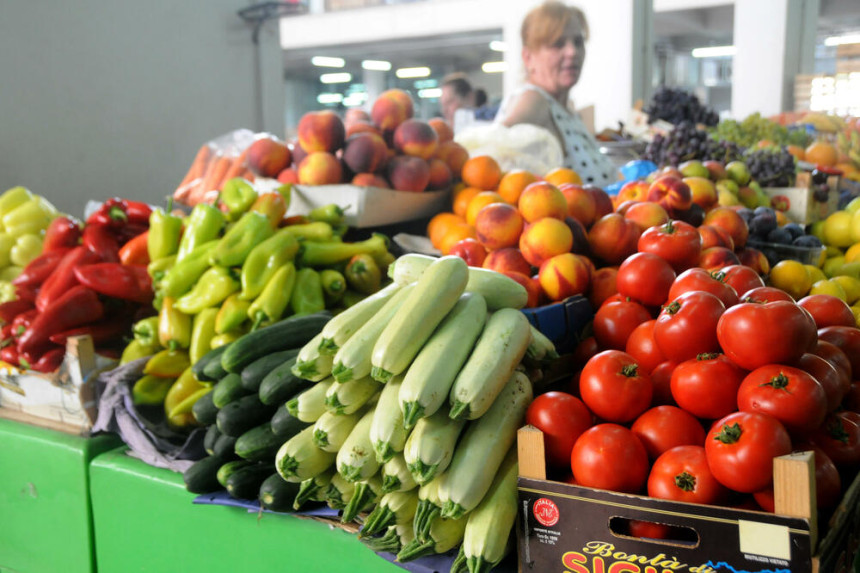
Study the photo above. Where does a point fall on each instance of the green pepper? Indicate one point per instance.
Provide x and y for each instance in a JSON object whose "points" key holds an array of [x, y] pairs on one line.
{"points": [[232, 314], [330, 253], [150, 390], [146, 331], [363, 274], [136, 349], [176, 408], [318, 231], [332, 214], [221, 339], [174, 327], [272, 302], [264, 260], [272, 205], [27, 247], [237, 195], [167, 363], [164, 232], [307, 296], [235, 246], [30, 217], [333, 285], [12, 198], [181, 277], [213, 287], [6, 243], [202, 331], [157, 269], [204, 224]]}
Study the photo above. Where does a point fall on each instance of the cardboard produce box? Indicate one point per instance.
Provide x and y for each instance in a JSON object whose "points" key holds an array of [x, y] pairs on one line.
{"points": [[801, 204], [565, 527]]}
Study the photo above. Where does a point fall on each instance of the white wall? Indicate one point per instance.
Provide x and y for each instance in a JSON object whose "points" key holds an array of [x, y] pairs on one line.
{"points": [[114, 98]]}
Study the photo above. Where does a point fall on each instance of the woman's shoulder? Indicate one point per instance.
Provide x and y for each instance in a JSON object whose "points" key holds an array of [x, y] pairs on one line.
{"points": [[525, 106]]}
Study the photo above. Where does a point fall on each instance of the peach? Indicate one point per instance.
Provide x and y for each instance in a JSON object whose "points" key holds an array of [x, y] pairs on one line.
{"points": [[470, 250], [355, 115], [320, 168], [361, 127], [532, 287], [601, 199], [507, 259], [415, 137], [321, 131], [580, 236], [588, 263], [670, 192], [442, 129], [622, 208], [407, 173], [647, 215], [703, 190], [440, 175], [454, 155], [729, 220], [602, 285], [754, 259], [544, 239], [715, 258], [632, 191], [498, 225], [268, 156], [288, 175], [370, 180], [542, 199], [716, 169], [613, 238], [478, 202], [563, 276], [390, 109], [298, 153], [455, 233], [715, 237], [581, 204], [365, 153]]}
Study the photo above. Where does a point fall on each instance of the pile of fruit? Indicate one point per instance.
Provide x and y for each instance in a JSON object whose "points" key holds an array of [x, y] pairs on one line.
{"points": [[679, 106], [755, 129], [685, 142], [406, 405]]}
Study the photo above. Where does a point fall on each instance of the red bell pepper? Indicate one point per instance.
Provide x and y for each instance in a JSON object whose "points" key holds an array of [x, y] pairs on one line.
{"points": [[63, 233], [78, 306], [9, 310], [27, 293], [102, 241], [129, 232], [116, 212], [9, 355], [63, 277], [6, 335], [23, 321], [49, 361], [135, 251], [126, 282], [40, 268], [105, 330]]}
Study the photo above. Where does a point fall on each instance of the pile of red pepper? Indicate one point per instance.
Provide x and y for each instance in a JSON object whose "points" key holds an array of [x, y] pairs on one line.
{"points": [[90, 279]]}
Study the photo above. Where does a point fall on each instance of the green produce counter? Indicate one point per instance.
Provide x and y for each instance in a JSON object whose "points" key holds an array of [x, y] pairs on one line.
{"points": [[44, 499], [145, 521]]}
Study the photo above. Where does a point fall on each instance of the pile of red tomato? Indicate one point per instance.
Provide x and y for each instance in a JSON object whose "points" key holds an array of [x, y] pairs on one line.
{"points": [[693, 381]]}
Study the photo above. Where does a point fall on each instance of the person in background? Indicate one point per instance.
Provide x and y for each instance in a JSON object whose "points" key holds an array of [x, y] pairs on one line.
{"points": [[553, 37], [457, 93]]}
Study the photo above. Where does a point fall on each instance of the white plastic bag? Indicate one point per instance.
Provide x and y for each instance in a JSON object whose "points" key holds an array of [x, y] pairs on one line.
{"points": [[522, 146]]}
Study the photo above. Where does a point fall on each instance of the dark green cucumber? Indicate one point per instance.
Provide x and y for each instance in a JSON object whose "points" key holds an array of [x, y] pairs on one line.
{"points": [[281, 384], [293, 332], [202, 476], [258, 444], [241, 415], [245, 482], [204, 409], [253, 373], [277, 494], [210, 437], [229, 468], [285, 425], [227, 390], [208, 368], [225, 447]]}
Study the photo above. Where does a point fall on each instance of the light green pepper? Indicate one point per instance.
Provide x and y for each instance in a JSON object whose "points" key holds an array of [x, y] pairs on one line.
{"points": [[237, 195], [265, 260], [273, 301], [235, 246], [27, 247], [181, 277], [204, 224], [12, 198], [213, 287], [30, 217]]}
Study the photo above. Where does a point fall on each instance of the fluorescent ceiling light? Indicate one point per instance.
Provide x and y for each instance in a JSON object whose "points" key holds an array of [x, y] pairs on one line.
{"points": [[329, 98], [421, 72], [430, 93], [499, 46], [355, 99], [714, 52], [336, 78], [494, 67], [840, 40], [327, 62], [380, 65]]}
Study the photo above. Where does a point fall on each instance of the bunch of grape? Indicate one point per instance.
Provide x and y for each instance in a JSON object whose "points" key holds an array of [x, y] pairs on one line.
{"points": [[771, 167], [677, 106], [755, 128], [686, 142]]}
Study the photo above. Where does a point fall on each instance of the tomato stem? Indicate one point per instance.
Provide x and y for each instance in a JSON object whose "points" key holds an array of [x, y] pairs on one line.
{"points": [[729, 434], [707, 356], [720, 276], [778, 382], [672, 308], [685, 481], [669, 227], [630, 370], [836, 430]]}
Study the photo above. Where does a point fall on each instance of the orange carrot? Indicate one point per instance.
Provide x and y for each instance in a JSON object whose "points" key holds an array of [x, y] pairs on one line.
{"points": [[215, 173], [198, 165], [239, 165]]}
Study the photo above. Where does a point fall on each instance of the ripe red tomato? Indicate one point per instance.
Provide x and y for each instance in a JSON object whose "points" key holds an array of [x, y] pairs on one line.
{"points": [[661, 381], [586, 348], [788, 394], [697, 279], [827, 376], [851, 400], [648, 529], [828, 310], [642, 346], [676, 242], [741, 278], [848, 340], [754, 335], [614, 321], [562, 418], [766, 294], [664, 427], [682, 474], [741, 447], [834, 355], [687, 326], [707, 386], [839, 437], [645, 278], [609, 456], [614, 387]]}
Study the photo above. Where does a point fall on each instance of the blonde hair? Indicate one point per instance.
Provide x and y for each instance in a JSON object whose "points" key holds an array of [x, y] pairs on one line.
{"points": [[545, 24]]}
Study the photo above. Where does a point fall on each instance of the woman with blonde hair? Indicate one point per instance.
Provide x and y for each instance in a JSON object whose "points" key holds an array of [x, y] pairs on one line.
{"points": [[553, 38]]}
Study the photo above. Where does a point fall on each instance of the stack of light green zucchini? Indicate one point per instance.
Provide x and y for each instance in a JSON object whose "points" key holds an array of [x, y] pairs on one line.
{"points": [[415, 397]]}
